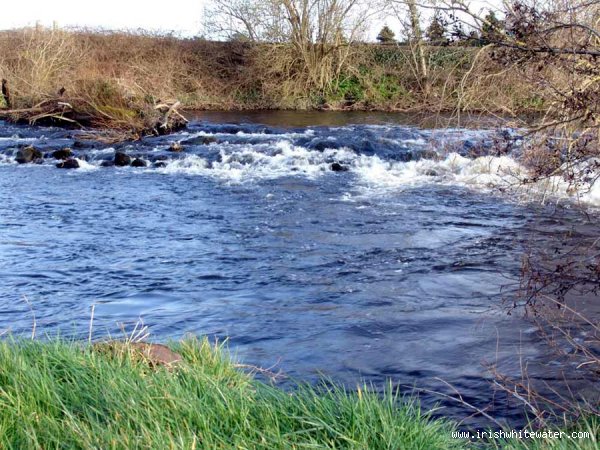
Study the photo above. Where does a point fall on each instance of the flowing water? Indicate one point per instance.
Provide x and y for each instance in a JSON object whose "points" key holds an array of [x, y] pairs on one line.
{"points": [[396, 267]]}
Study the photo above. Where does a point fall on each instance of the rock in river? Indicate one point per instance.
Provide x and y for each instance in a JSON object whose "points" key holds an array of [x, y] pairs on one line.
{"points": [[122, 159], [139, 163], [200, 140], [28, 155], [65, 153], [337, 167], [70, 163]]}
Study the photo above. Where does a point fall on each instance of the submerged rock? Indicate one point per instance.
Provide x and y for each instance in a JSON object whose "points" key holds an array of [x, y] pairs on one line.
{"points": [[139, 163], [70, 163], [107, 164], [65, 153], [337, 167], [159, 164], [200, 140], [28, 154], [85, 145], [122, 159], [323, 145], [176, 147]]}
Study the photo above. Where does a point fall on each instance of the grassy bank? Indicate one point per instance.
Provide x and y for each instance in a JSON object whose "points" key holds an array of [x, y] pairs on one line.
{"points": [[63, 395], [117, 78]]}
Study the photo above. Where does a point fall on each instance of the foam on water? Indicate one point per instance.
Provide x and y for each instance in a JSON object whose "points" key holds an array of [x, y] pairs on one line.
{"points": [[86, 166], [190, 165], [486, 171], [376, 175], [378, 159]]}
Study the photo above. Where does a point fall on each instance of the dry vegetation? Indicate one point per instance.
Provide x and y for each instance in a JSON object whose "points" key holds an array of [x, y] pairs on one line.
{"points": [[117, 79]]}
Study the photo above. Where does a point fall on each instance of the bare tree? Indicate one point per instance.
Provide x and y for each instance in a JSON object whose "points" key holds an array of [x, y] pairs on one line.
{"points": [[256, 21], [554, 44], [319, 32], [410, 9]]}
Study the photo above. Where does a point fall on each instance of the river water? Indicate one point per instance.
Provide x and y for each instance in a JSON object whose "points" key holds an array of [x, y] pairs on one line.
{"points": [[396, 268]]}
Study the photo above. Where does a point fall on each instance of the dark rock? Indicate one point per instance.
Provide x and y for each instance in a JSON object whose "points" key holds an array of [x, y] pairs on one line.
{"points": [[139, 163], [337, 167], [65, 153], [160, 164], [70, 163], [158, 157], [28, 155], [206, 140], [107, 164], [431, 173], [200, 140], [122, 159], [85, 144], [324, 145], [176, 147]]}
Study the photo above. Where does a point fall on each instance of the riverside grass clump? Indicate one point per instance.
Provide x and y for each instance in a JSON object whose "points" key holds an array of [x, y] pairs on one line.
{"points": [[64, 394]]}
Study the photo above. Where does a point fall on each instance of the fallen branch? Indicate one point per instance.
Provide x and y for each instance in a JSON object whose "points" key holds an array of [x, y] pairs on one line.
{"points": [[48, 110], [120, 122]]}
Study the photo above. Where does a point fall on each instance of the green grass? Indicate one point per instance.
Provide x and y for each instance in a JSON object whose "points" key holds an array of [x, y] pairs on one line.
{"points": [[62, 394]]}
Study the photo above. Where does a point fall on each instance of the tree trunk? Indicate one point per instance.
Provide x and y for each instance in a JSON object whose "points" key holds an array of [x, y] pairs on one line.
{"points": [[6, 94], [418, 42]]}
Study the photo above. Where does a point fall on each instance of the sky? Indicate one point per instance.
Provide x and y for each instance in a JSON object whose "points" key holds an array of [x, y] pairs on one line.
{"points": [[184, 17]]}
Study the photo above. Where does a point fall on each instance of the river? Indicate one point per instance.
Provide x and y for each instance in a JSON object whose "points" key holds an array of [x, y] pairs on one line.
{"points": [[398, 266]]}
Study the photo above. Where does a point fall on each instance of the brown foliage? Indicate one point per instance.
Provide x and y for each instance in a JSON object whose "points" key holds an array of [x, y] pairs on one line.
{"points": [[118, 77]]}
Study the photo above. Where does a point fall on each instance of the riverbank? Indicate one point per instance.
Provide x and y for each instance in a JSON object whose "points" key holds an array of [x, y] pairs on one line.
{"points": [[117, 79], [64, 394], [70, 394]]}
